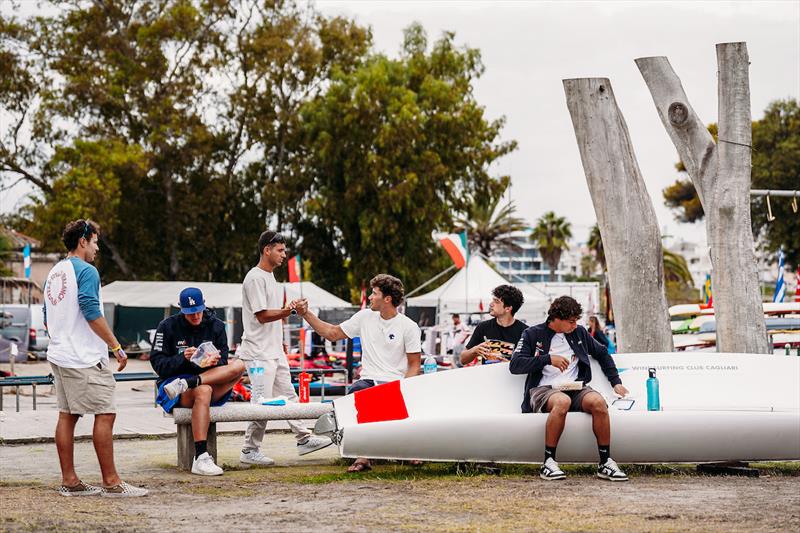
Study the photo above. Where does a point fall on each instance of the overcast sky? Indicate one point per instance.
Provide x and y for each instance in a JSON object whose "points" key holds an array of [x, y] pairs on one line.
{"points": [[529, 47]]}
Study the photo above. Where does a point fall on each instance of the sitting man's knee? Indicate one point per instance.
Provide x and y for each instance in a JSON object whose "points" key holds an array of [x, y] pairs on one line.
{"points": [[203, 391], [560, 406], [597, 405], [238, 366]]}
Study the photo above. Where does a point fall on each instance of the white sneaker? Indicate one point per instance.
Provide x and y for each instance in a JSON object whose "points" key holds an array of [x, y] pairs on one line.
{"points": [[611, 471], [255, 457], [550, 470], [123, 490], [312, 444], [204, 466], [176, 387]]}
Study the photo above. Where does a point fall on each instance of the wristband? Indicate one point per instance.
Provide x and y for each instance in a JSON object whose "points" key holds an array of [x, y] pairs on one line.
{"points": [[115, 348]]}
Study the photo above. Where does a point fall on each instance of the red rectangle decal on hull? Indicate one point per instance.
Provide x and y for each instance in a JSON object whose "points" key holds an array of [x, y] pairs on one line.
{"points": [[380, 404]]}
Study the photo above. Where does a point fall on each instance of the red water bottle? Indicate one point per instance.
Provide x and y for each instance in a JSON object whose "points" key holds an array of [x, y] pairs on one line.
{"points": [[305, 386]]}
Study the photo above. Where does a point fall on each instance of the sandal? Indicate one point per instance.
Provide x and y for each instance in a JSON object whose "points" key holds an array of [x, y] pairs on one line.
{"points": [[359, 466]]}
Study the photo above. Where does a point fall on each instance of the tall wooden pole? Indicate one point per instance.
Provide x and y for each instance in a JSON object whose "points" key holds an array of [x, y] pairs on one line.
{"points": [[625, 216]]}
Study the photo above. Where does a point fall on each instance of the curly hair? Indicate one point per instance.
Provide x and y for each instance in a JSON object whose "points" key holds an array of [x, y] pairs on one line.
{"points": [[564, 308], [78, 229], [510, 296], [389, 286]]}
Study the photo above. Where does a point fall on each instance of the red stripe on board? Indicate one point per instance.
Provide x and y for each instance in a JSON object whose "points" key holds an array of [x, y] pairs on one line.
{"points": [[380, 403], [454, 252]]}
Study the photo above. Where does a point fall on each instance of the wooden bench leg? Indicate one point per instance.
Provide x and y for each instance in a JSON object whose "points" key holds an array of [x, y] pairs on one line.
{"points": [[186, 445]]}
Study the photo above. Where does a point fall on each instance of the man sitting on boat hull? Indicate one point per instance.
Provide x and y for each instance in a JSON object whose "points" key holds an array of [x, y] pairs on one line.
{"points": [[555, 356]]}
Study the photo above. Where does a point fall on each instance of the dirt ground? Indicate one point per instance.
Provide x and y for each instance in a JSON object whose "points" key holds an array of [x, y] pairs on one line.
{"points": [[313, 492]]}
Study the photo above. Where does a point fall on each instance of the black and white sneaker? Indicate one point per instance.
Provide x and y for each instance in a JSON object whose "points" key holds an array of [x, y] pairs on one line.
{"points": [[550, 470], [611, 471]]}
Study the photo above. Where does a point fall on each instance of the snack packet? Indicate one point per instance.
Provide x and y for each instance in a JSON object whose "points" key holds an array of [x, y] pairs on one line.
{"points": [[205, 355]]}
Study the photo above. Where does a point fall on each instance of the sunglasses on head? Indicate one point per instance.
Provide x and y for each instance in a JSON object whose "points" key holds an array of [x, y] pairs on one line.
{"points": [[86, 226], [277, 238]]}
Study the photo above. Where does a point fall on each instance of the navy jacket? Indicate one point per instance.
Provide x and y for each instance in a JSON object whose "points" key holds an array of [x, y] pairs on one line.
{"points": [[532, 354], [175, 333]]}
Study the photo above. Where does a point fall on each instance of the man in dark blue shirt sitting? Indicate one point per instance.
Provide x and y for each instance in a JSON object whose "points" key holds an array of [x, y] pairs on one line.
{"points": [[195, 385], [555, 356]]}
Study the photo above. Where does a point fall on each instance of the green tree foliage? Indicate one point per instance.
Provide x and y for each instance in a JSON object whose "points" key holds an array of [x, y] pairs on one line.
{"points": [[488, 227], [397, 146], [551, 235], [595, 244], [186, 127], [776, 166]]}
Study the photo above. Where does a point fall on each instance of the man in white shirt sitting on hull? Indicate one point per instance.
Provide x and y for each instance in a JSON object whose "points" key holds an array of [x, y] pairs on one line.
{"points": [[390, 341]]}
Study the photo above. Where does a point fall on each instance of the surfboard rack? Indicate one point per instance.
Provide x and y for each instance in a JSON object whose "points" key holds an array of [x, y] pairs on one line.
{"points": [[731, 468]]}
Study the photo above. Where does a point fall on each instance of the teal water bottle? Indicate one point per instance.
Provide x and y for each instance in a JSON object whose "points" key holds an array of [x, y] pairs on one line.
{"points": [[653, 396]]}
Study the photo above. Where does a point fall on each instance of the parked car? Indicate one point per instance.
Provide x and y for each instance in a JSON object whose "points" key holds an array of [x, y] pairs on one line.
{"points": [[14, 327], [38, 337]]}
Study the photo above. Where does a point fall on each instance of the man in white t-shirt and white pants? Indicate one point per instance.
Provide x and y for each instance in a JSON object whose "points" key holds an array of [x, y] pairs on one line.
{"points": [[262, 345], [390, 341]]}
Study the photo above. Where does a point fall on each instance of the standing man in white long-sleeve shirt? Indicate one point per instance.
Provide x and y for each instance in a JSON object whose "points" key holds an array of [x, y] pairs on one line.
{"points": [[80, 340]]}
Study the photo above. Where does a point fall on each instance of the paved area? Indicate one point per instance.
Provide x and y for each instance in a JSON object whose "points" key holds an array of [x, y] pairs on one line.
{"points": [[137, 416]]}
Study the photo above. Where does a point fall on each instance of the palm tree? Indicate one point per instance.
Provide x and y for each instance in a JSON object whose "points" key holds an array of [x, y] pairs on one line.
{"points": [[551, 235], [595, 244], [676, 269], [488, 231]]}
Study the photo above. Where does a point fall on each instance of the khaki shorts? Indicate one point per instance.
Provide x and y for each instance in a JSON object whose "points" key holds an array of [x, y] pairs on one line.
{"points": [[85, 391], [540, 395]]}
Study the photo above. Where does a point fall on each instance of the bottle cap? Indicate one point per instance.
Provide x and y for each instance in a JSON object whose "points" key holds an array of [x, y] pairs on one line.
{"points": [[652, 372]]}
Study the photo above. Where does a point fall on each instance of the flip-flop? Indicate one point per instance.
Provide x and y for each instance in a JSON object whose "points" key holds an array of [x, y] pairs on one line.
{"points": [[359, 466]]}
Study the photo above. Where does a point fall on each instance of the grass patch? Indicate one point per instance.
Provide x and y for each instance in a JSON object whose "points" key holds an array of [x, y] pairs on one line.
{"points": [[18, 484]]}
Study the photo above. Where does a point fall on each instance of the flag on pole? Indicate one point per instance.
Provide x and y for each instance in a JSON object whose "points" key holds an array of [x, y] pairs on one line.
{"points": [[455, 244], [708, 297], [780, 285], [480, 305], [797, 285], [294, 269], [26, 259]]}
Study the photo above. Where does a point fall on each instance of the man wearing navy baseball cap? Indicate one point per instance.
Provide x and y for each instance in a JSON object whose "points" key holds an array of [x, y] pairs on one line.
{"points": [[199, 383]]}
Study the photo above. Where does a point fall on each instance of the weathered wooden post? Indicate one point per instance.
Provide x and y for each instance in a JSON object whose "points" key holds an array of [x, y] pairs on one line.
{"points": [[625, 215], [721, 174]]}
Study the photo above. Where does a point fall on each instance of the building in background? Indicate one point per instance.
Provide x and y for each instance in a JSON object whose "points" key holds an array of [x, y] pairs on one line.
{"points": [[527, 265]]}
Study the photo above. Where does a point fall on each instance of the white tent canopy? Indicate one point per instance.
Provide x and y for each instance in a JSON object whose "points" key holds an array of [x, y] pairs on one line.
{"points": [[472, 286], [217, 295]]}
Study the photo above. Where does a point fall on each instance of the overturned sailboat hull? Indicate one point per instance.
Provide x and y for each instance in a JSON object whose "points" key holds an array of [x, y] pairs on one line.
{"points": [[716, 407]]}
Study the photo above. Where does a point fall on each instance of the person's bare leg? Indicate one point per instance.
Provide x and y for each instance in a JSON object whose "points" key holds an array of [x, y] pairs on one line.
{"points": [[557, 406], [221, 389], [595, 405], [103, 440], [223, 374], [198, 400], [65, 445]]}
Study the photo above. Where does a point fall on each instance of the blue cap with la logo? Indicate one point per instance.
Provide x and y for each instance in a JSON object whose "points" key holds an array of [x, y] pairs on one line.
{"points": [[192, 301]]}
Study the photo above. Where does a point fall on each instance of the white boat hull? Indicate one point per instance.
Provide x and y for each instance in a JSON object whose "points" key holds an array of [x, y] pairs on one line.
{"points": [[717, 407]]}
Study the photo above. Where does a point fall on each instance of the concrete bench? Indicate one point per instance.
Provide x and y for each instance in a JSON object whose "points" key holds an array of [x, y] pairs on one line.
{"points": [[237, 412]]}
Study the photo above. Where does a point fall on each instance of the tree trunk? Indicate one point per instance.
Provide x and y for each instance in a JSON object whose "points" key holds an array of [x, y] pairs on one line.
{"points": [[117, 258], [625, 215], [721, 175]]}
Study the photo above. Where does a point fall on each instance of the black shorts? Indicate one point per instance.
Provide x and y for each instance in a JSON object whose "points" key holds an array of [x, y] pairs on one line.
{"points": [[540, 395]]}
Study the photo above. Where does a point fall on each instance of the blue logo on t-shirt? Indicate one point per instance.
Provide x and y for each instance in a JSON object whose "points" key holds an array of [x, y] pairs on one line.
{"points": [[391, 336]]}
